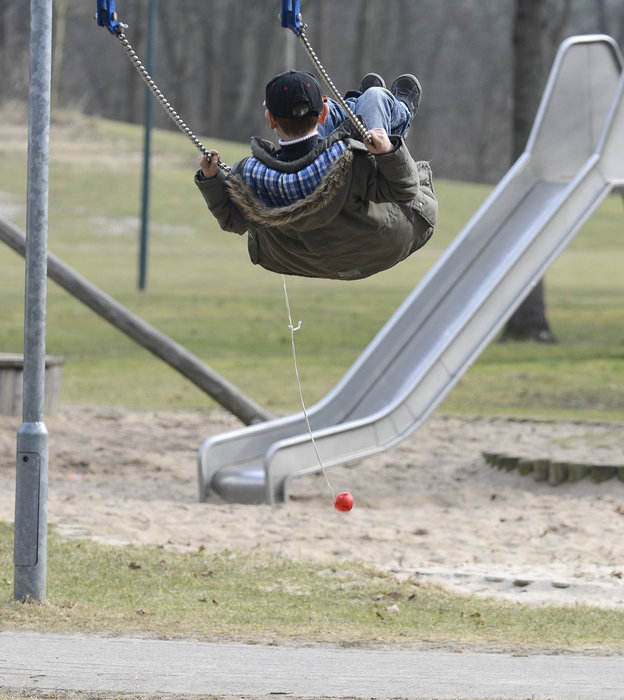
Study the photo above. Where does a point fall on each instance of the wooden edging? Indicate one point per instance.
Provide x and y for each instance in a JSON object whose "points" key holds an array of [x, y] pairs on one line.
{"points": [[555, 472]]}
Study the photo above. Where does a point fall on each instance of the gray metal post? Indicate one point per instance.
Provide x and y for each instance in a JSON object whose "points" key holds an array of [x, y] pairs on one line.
{"points": [[31, 493], [147, 148]]}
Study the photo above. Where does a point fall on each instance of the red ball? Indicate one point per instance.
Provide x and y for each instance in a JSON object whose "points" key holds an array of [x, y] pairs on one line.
{"points": [[344, 502]]}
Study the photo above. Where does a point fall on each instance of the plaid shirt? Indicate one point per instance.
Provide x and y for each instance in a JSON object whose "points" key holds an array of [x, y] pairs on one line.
{"points": [[279, 189]]}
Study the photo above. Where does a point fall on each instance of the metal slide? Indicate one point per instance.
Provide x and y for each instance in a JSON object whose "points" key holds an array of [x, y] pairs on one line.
{"points": [[575, 155]]}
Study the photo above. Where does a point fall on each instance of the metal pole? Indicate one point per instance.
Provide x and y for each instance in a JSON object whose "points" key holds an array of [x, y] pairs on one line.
{"points": [[176, 356], [153, 4], [31, 492]]}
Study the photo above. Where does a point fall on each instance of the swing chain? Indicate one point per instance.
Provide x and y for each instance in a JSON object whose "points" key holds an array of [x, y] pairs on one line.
{"points": [[107, 16], [174, 116], [361, 128]]}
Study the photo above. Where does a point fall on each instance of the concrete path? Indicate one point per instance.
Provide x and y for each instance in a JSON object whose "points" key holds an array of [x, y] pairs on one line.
{"points": [[68, 662]]}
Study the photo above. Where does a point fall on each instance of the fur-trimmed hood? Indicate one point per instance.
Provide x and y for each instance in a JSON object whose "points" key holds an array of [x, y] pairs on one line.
{"points": [[328, 194], [357, 215]]}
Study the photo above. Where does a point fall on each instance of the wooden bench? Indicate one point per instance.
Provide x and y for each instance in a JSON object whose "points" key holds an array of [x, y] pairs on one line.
{"points": [[12, 383]]}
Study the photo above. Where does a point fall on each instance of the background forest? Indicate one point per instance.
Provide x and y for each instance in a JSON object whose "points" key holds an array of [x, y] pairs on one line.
{"points": [[213, 58]]}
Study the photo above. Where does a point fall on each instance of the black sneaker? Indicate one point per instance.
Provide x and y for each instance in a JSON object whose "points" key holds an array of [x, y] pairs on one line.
{"points": [[372, 80], [407, 89]]}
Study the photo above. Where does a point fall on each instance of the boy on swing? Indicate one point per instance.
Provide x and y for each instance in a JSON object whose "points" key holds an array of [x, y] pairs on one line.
{"points": [[325, 203]]}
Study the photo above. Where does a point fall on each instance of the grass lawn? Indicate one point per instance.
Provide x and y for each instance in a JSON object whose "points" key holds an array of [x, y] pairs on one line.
{"points": [[257, 598], [204, 292]]}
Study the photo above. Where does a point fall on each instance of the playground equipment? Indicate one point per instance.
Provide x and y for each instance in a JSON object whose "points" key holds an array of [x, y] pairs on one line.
{"points": [[574, 157], [106, 16], [141, 332]]}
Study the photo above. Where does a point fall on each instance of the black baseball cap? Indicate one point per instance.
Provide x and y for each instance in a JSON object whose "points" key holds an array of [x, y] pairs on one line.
{"points": [[293, 87]]}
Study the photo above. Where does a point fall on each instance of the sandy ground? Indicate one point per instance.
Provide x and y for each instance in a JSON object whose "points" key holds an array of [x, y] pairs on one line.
{"points": [[431, 507]]}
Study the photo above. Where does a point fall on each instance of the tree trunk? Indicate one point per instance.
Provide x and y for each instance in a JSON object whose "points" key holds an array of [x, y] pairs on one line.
{"points": [[14, 28], [529, 322], [363, 50], [58, 49]]}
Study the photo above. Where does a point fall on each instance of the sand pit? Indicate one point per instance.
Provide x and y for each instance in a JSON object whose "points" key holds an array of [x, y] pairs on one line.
{"points": [[431, 507]]}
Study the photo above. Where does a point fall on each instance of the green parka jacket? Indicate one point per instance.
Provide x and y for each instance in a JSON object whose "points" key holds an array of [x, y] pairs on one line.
{"points": [[368, 212]]}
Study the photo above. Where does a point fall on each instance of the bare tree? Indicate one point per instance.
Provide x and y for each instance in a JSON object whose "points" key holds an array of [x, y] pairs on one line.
{"points": [[14, 23], [320, 18], [529, 322], [365, 38], [210, 48], [214, 57], [60, 8]]}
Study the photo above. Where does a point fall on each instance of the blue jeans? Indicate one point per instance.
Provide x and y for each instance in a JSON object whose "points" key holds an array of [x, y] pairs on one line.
{"points": [[377, 106]]}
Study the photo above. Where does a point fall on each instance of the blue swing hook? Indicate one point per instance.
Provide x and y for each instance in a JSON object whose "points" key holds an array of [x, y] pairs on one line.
{"points": [[107, 16], [291, 16]]}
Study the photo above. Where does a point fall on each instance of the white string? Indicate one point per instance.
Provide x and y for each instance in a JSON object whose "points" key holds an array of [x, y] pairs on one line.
{"points": [[305, 412]]}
